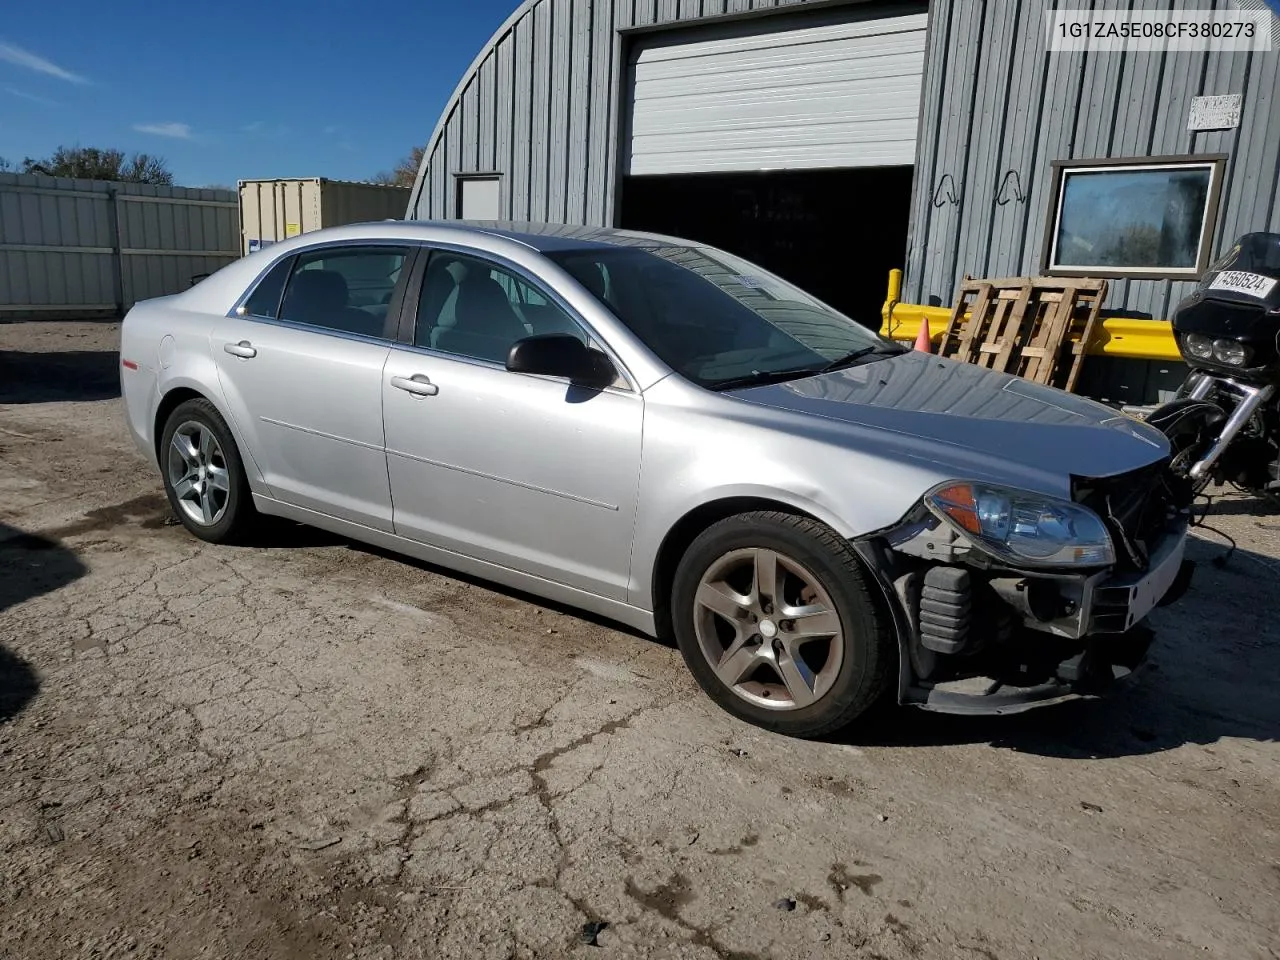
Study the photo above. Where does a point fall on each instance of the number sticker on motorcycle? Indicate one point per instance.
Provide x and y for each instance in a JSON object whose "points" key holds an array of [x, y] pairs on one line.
{"points": [[1237, 281]]}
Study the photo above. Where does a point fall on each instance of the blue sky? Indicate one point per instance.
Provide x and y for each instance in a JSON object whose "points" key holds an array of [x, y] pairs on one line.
{"points": [[232, 90]]}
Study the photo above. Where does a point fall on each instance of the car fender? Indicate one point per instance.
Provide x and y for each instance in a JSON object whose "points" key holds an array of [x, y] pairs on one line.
{"points": [[197, 372], [813, 502], [798, 474], [1186, 419]]}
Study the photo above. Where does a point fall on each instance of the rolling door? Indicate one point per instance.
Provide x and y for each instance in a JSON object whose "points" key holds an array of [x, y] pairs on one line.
{"points": [[835, 95]]}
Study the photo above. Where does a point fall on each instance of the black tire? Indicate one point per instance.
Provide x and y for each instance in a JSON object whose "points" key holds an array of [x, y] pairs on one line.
{"points": [[1185, 450], [867, 642], [238, 513]]}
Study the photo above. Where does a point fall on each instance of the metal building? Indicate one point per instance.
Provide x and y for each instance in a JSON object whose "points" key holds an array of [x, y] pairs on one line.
{"points": [[832, 141]]}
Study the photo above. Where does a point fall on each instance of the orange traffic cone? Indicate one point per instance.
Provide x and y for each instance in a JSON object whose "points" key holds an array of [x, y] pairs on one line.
{"points": [[924, 342]]}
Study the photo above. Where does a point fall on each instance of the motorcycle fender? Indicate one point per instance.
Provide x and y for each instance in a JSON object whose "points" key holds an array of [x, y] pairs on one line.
{"points": [[1186, 418]]}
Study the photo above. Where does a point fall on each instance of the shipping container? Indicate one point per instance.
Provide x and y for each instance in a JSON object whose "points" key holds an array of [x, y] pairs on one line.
{"points": [[272, 210]]}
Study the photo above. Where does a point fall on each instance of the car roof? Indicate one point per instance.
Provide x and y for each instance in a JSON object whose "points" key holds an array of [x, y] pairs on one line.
{"points": [[219, 292], [550, 237]]}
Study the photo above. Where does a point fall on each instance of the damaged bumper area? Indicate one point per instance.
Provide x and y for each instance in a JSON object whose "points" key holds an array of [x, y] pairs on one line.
{"points": [[978, 637]]}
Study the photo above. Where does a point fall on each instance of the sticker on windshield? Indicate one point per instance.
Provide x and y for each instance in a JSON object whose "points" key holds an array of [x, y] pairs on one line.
{"points": [[1237, 281]]}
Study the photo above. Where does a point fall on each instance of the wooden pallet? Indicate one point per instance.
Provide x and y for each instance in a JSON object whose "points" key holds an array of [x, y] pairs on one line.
{"points": [[1034, 327]]}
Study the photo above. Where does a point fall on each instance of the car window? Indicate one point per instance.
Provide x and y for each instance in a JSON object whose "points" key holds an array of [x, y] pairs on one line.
{"points": [[520, 292], [346, 289], [265, 299], [473, 308], [714, 317]]}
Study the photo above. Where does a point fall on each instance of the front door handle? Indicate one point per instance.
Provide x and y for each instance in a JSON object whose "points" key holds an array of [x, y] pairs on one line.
{"points": [[244, 349], [418, 385]]}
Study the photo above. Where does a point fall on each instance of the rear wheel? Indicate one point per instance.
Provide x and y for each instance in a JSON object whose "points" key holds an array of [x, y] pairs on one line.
{"points": [[204, 476], [775, 619]]}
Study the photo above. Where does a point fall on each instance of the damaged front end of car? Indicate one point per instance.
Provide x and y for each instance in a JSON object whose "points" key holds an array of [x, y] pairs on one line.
{"points": [[1007, 600]]}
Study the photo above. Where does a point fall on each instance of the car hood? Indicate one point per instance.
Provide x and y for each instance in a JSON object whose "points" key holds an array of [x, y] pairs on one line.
{"points": [[970, 421]]}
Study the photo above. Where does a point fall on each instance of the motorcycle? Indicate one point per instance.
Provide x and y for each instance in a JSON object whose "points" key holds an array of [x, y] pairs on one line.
{"points": [[1224, 422]]}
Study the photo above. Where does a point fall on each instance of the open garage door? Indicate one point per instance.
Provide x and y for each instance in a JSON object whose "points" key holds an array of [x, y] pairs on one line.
{"points": [[744, 97], [835, 233], [788, 139]]}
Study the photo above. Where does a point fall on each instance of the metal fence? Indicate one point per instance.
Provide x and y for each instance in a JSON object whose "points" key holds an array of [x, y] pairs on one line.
{"points": [[87, 247]]}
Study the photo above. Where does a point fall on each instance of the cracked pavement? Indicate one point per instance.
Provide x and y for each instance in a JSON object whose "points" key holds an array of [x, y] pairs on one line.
{"points": [[309, 748]]}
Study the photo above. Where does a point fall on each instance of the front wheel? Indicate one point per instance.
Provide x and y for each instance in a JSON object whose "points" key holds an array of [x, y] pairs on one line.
{"points": [[1191, 427], [1185, 453], [776, 620]]}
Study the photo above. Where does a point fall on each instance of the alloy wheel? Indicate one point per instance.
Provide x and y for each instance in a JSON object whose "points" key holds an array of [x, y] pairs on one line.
{"points": [[768, 629], [198, 473]]}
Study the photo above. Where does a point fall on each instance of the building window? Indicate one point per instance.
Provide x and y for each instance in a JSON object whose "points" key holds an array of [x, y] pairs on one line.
{"points": [[478, 197], [1149, 218]]}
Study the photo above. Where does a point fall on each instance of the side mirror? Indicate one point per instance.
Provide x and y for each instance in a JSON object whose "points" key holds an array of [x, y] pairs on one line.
{"points": [[561, 355]]}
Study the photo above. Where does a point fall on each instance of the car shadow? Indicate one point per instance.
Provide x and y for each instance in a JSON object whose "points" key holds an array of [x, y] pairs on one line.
{"points": [[515, 594], [29, 567], [1210, 674], [1203, 681], [279, 534], [59, 376], [74, 316]]}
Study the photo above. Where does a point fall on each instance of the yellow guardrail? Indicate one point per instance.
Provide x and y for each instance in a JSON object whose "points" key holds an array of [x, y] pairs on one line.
{"points": [[1115, 337]]}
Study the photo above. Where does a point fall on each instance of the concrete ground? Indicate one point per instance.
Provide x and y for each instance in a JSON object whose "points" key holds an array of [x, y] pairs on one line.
{"points": [[310, 749]]}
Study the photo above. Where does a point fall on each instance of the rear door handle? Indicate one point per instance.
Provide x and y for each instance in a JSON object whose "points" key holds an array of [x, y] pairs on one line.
{"points": [[418, 385], [244, 349]]}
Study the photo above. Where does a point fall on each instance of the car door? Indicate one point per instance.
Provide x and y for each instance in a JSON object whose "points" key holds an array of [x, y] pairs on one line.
{"points": [[300, 362], [530, 472]]}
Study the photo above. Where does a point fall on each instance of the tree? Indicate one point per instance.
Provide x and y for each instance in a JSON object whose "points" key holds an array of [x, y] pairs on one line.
{"points": [[92, 163], [405, 173], [5, 165]]}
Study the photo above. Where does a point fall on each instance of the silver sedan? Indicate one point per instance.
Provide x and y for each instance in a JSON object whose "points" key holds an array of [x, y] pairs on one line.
{"points": [[669, 436]]}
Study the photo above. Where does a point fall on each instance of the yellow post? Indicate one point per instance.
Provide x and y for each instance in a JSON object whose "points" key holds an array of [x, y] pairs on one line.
{"points": [[892, 297]]}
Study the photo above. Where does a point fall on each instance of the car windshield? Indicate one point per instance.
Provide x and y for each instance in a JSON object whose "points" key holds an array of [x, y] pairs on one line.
{"points": [[717, 319]]}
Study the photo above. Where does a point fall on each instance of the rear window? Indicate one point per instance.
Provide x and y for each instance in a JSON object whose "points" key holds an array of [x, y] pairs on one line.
{"points": [[265, 299]]}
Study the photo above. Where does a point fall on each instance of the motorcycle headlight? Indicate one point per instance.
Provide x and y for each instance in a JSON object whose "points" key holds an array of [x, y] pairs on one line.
{"points": [[1198, 345], [1231, 352], [1021, 528]]}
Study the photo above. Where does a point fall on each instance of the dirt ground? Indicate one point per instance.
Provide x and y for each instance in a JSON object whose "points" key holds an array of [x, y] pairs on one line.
{"points": [[310, 749]]}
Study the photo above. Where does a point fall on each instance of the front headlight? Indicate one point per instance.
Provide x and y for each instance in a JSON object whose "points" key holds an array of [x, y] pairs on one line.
{"points": [[1021, 528], [1231, 352], [1198, 345]]}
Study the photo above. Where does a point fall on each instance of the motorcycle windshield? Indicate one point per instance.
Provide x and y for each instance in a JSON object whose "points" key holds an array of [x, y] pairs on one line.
{"points": [[1257, 253]]}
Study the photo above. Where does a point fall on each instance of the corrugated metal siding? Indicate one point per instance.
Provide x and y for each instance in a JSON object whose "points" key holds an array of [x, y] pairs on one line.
{"points": [[72, 246], [1003, 111], [343, 201], [751, 98], [554, 110], [543, 103]]}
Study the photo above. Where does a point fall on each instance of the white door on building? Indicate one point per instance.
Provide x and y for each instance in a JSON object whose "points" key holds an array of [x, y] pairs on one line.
{"points": [[478, 198], [741, 99]]}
